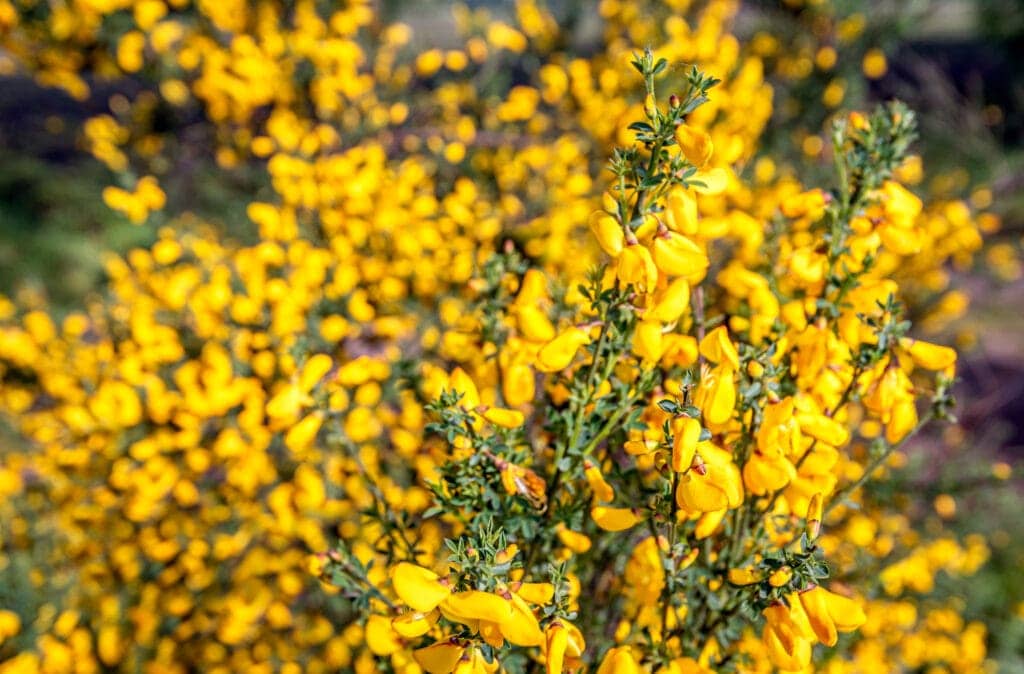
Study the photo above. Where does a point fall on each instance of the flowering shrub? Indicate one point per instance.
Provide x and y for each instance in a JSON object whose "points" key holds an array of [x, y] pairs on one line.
{"points": [[519, 372]]}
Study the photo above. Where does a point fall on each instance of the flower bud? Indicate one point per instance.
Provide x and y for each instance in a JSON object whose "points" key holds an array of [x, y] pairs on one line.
{"points": [[814, 515]]}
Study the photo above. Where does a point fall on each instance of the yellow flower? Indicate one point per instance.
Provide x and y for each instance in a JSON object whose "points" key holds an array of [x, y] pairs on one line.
{"points": [[521, 628], [302, 434], [887, 391], [670, 302], [767, 472], [785, 642], [681, 211], [619, 660], [533, 323], [614, 519], [636, 266], [711, 181], [718, 348], [440, 658], [927, 355], [810, 205], [745, 576], [822, 428], [695, 144], [874, 64], [716, 395], [518, 387], [677, 255], [602, 490], [314, 370], [523, 481], [648, 343], [685, 436], [505, 418], [556, 643], [471, 606], [608, 232], [10, 624], [412, 624], [473, 662], [902, 420], [533, 288], [573, 540], [462, 383], [830, 613], [381, 639], [419, 588], [558, 353], [712, 484], [535, 593], [780, 577], [685, 666]]}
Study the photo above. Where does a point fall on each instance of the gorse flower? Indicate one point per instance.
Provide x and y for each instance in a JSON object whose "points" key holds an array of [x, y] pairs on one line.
{"points": [[546, 373], [714, 459]]}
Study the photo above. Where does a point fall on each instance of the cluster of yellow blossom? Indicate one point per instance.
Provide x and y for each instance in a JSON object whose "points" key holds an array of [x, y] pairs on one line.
{"points": [[198, 440], [140, 202]]}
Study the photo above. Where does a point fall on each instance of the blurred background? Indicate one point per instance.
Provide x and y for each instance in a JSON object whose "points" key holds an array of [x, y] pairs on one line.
{"points": [[956, 62]]}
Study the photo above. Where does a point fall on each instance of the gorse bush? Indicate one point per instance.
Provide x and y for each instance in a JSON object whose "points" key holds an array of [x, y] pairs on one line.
{"points": [[532, 368]]}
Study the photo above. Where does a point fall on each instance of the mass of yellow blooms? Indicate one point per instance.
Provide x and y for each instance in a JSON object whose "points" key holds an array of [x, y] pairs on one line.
{"points": [[468, 400]]}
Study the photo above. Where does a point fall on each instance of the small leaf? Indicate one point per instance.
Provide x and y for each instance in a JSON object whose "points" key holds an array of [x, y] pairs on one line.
{"points": [[669, 406]]}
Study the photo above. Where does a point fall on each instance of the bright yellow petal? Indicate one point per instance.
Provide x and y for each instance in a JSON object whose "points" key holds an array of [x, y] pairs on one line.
{"points": [[439, 658], [477, 605], [614, 519], [380, 638], [414, 624], [419, 588]]}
